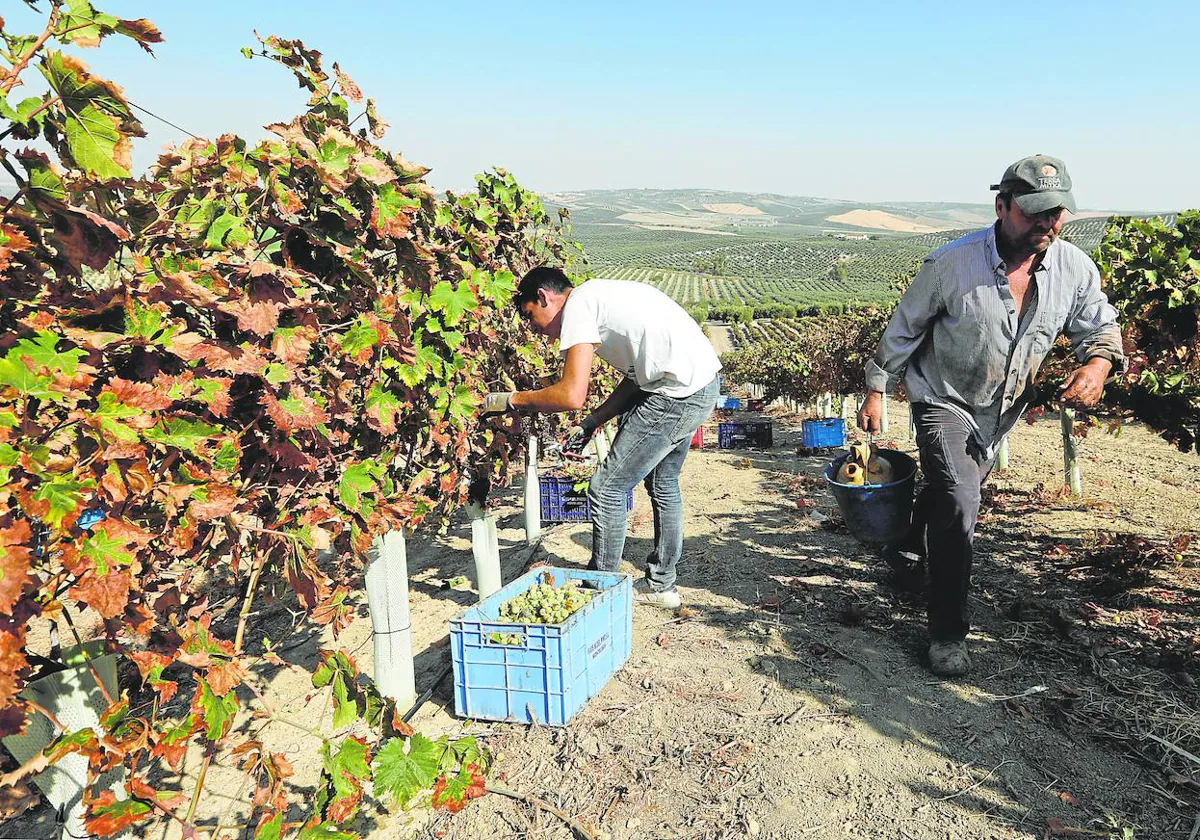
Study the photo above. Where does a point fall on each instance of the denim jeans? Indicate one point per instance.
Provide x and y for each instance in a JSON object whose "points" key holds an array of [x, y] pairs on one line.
{"points": [[652, 440], [945, 513]]}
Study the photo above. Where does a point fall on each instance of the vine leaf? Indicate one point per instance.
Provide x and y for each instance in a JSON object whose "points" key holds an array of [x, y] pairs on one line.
{"points": [[406, 766], [271, 829], [345, 771], [340, 671], [97, 123], [217, 712], [452, 791], [15, 558], [452, 302], [108, 815]]}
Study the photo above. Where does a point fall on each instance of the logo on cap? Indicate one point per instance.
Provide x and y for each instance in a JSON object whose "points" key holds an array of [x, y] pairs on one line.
{"points": [[1049, 178]]}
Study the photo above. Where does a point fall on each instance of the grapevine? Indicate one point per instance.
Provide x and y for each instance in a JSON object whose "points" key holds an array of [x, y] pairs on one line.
{"points": [[249, 364]]}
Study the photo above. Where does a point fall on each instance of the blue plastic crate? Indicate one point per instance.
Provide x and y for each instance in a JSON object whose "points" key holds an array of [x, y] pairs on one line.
{"points": [[738, 434], [819, 434], [561, 502], [726, 401], [557, 669]]}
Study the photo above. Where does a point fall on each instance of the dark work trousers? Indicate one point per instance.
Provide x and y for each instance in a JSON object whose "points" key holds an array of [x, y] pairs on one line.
{"points": [[945, 513]]}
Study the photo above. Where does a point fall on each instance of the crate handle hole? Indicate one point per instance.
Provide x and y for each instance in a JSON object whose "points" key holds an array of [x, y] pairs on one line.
{"points": [[498, 639]]}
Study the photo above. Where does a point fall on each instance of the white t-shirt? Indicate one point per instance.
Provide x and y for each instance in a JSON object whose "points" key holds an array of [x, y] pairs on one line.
{"points": [[642, 333]]}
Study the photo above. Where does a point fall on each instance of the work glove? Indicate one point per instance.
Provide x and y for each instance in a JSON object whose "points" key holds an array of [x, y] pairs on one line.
{"points": [[497, 402], [578, 437]]}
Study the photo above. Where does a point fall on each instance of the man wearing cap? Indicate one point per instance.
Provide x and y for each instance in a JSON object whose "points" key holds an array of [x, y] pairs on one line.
{"points": [[968, 336]]}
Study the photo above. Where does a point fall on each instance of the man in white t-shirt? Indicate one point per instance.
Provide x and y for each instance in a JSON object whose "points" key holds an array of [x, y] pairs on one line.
{"points": [[669, 390]]}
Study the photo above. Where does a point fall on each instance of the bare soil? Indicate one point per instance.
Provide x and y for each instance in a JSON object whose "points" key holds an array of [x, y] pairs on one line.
{"points": [[794, 702], [882, 220]]}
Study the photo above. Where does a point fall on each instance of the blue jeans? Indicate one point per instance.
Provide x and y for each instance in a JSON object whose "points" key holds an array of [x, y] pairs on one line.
{"points": [[652, 440]]}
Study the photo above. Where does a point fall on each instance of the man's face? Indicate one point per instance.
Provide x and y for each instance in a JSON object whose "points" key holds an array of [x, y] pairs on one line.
{"points": [[544, 315], [1030, 234]]}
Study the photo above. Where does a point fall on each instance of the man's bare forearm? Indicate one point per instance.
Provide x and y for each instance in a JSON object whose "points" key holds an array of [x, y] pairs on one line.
{"points": [[620, 400], [557, 397]]}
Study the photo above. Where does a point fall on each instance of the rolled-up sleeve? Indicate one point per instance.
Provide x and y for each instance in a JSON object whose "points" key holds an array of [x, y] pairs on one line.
{"points": [[1092, 325], [906, 329]]}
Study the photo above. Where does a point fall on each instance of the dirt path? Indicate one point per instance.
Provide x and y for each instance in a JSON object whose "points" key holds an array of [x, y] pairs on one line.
{"points": [[721, 337], [795, 703]]}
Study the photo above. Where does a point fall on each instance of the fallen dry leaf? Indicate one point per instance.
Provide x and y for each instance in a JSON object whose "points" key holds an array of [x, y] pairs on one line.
{"points": [[16, 799], [1069, 799]]}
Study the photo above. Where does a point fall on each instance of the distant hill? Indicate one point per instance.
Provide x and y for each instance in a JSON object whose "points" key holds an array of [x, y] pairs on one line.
{"points": [[736, 212]]}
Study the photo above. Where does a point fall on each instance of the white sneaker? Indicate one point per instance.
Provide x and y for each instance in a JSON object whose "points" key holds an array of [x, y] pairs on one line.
{"points": [[667, 599]]}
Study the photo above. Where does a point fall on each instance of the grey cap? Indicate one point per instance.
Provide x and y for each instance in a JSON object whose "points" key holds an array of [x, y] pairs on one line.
{"points": [[1038, 183]]}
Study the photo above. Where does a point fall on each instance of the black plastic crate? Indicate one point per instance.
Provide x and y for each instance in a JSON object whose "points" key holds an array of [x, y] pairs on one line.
{"points": [[741, 434]]}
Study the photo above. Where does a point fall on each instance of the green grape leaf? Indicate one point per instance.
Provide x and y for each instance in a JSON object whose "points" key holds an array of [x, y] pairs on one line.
{"points": [[382, 406], [360, 337], [452, 302], [388, 217], [226, 229], [405, 767], [216, 712], [16, 374], [42, 351], [356, 480], [104, 551], [96, 143], [346, 769], [272, 829], [182, 434], [497, 287], [63, 495]]}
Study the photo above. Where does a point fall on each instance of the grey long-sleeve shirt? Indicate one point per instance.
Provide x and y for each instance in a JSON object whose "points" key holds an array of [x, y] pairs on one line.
{"points": [[956, 337]]}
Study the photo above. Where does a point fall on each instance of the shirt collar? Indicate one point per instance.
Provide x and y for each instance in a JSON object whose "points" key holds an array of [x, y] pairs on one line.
{"points": [[993, 252], [998, 263]]}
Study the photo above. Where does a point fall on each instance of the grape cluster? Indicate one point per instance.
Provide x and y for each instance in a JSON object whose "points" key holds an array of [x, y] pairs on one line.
{"points": [[545, 603]]}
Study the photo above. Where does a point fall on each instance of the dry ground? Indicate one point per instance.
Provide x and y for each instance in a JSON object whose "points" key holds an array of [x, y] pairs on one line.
{"points": [[795, 703]]}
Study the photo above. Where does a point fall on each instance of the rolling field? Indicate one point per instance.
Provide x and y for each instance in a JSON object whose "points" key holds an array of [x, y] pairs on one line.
{"points": [[738, 258]]}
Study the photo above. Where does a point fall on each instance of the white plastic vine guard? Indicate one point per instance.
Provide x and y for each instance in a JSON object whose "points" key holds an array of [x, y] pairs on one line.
{"points": [[74, 698], [533, 495], [485, 547], [391, 625]]}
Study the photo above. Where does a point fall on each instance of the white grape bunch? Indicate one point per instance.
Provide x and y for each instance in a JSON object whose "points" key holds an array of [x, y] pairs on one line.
{"points": [[542, 603]]}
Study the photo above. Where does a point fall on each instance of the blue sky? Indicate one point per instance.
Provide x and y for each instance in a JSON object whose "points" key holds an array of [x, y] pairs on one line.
{"points": [[921, 101]]}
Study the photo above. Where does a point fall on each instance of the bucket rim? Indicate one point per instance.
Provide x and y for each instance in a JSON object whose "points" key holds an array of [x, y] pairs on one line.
{"points": [[831, 470]]}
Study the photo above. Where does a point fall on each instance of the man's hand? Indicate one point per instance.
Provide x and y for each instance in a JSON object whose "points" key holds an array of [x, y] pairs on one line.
{"points": [[1084, 386], [871, 414], [578, 438], [497, 402]]}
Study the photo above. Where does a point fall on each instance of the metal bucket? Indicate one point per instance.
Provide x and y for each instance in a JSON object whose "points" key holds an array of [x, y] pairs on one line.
{"points": [[876, 514]]}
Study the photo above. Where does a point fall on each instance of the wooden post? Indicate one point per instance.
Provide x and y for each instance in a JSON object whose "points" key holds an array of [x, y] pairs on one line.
{"points": [[1070, 456]]}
